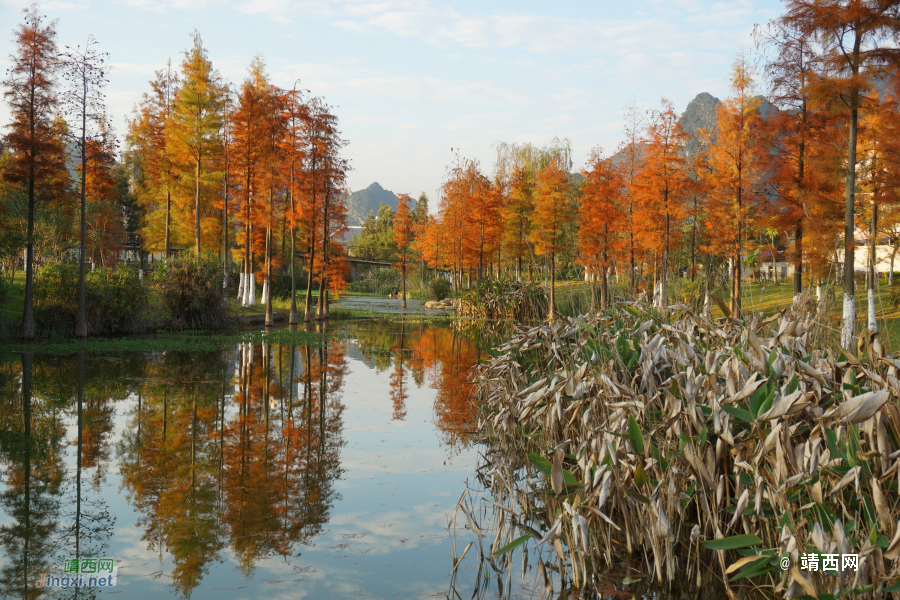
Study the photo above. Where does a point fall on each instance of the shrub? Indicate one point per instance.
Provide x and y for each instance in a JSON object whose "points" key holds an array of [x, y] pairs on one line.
{"points": [[377, 281], [114, 299], [190, 292], [692, 293], [439, 288], [419, 294], [894, 294]]}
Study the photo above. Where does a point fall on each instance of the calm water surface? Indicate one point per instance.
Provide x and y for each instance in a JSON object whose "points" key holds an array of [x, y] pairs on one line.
{"points": [[253, 471]]}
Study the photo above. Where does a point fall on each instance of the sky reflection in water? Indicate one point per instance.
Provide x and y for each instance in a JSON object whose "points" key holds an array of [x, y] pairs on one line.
{"points": [[340, 485]]}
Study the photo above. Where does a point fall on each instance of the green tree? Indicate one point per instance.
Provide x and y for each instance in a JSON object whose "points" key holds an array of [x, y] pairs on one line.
{"points": [[377, 237]]}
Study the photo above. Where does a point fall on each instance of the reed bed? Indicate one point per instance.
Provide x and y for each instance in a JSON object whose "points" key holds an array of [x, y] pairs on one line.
{"points": [[710, 452]]}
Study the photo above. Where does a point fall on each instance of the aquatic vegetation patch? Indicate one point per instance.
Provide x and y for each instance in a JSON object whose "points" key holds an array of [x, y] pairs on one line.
{"points": [[180, 342], [504, 299], [721, 452]]}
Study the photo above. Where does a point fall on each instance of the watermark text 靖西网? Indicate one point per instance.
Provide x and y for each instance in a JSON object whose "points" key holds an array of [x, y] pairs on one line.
{"points": [[829, 562], [82, 572]]}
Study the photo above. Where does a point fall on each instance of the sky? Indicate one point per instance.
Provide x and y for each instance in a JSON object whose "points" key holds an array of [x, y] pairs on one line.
{"points": [[412, 80]]}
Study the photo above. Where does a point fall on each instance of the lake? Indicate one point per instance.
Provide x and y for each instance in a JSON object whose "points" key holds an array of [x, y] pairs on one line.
{"points": [[328, 469]]}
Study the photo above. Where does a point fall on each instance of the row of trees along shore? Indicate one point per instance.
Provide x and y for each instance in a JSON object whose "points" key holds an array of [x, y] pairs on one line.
{"points": [[255, 175], [791, 162], [252, 174]]}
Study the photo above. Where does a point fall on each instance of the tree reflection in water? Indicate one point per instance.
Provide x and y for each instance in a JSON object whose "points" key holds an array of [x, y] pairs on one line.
{"points": [[234, 450], [441, 353], [223, 453]]}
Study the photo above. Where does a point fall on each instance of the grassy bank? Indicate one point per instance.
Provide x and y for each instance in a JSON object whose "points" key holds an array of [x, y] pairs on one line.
{"points": [[12, 306], [705, 452]]}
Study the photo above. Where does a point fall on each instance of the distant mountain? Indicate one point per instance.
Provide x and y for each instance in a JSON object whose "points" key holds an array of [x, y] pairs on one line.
{"points": [[360, 202], [699, 114]]}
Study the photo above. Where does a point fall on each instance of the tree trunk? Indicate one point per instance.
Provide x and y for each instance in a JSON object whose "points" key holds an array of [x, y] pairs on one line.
{"points": [[693, 249], [707, 308], [320, 310], [893, 254], [604, 283], [197, 203], [310, 255], [798, 258], [848, 325], [552, 286], [664, 271], [225, 269], [292, 319], [774, 265], [403, 273], [81, 329], [592, 281], [872, 322], [166, 244], [270, 321]]}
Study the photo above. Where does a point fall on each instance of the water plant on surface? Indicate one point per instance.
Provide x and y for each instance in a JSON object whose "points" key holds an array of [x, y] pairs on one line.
{"points": [[712, 450], [180, 342], [504, 299]]}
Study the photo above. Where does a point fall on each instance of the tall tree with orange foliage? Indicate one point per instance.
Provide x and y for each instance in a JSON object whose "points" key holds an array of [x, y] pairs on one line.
{"points": [[599, 217], [275, 122], [38, 154], [248, 156], [453, 218], [632, 153], [104, 226], [294, 150], [855, 37], [329, 177], [196, 124], [148, 151], [552, 212], [661, 190], [797, 173], [733, 176], [403, 235]]}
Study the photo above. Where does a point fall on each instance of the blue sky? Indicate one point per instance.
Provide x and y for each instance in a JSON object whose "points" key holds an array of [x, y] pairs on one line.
{"points": [[411, 79]]}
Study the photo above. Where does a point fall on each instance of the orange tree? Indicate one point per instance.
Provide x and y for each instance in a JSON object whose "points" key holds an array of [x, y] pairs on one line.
{"points": [[661, 190], [733, 175], [38, 155], [853, 38], [599, 217], [552, 212], [403, 231], [147, 143]]}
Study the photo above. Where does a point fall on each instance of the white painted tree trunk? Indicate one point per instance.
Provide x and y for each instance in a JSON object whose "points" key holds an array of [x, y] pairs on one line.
{"points": [[848, 323], [241, 279], [818, 292], [872, 322], [265, 292], [251, 300], [247, 294]]}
